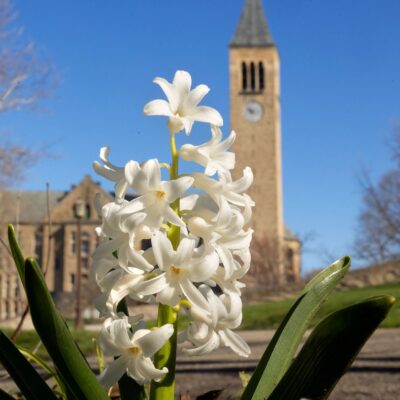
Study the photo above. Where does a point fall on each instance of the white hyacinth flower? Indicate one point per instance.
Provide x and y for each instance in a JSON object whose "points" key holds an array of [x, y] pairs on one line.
{"points": [[212, 155], [143, 256], [179, 270], [225, 188], [182, 106], [155, 195], [123, 236], [116, 286], [133, 349], [226, 314], [114, 173], [224, 232]]}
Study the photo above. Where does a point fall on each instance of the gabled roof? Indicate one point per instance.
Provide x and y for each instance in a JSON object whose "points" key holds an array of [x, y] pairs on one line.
{"points": [[31, 207], [28, 207], [252, 30]]}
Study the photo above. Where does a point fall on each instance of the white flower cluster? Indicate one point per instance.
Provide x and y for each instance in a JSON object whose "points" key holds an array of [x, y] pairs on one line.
{"points": [[200, 272]]}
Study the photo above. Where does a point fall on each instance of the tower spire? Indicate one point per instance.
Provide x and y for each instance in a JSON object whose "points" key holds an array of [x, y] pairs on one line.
{"points": [[252, 30]]}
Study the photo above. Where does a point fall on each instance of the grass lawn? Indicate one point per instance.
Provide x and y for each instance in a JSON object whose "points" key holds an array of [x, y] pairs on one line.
{"points": [[269, 314], [28, 339]]}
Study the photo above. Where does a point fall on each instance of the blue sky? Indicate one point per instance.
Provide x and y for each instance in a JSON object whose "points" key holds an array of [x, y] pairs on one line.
{"points": [[340, 63]]}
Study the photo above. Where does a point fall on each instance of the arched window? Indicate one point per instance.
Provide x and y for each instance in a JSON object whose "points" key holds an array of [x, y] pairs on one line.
{"points": [[252, 77], [244, 76], [261, 75]]}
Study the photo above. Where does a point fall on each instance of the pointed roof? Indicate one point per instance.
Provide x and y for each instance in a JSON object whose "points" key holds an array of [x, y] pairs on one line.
{"points": [[252, 30]]}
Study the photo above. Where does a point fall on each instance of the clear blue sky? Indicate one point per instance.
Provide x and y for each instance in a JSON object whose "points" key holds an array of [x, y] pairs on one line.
{"points": [[340, 92]]}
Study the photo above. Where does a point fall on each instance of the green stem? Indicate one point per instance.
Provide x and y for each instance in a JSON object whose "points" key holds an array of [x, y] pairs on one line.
{"points": [[166, 356]]}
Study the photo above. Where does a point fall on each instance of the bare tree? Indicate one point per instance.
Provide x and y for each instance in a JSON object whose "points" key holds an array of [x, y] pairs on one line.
{"points": [[378, 234], [24, 80], [273, 261]]}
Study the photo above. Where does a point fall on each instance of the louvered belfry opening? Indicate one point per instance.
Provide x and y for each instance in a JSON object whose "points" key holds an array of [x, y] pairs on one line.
{"points": [[253, 77]]}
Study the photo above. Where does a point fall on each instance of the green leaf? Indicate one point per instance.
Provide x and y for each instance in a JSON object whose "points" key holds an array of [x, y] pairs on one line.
{"points": [[19, 258], [280, 351], [5, 396], [21, 371], [331, 349], [56, 337], [41, 363]]}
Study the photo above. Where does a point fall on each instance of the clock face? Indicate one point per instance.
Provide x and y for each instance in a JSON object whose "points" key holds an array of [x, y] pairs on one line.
{"points": [[253, 111]]}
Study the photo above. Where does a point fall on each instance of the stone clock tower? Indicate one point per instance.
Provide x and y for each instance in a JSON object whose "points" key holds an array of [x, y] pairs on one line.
{"points": [[255, 117]]}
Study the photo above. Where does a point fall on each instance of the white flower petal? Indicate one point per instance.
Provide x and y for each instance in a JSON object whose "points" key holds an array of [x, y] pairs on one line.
{"points": [[131, 170], [177, 187], [154, 340], [235, 342], [227, 260], [194, 97], [203, 269], [120, 290], [163, 250], [136, 205], [104, 171], [104, 152], [113, 372], [148, 370], [137, 259], [227, 143], [170, 295], [171, 93], [130, 222], [187, 123], [133, 371], [184, 252], [212, 343], [207, 114], [193, 294], [182, 82], [172, 217], [243, 183], [217, 308], [106, 248], [157, 107], [121, 188], [175, 124], [119, 333], [151, 169], [152, 286], [188, 202]]}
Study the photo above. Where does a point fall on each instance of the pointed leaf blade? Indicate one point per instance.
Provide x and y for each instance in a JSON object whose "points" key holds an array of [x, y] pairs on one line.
{"points": [[331, 349], [22, 372], [56, 337], [280, 351], [19, 258]]}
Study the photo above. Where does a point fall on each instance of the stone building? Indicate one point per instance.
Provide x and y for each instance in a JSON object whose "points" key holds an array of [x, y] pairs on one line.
{"points": [[55, 248], [254, 69]]}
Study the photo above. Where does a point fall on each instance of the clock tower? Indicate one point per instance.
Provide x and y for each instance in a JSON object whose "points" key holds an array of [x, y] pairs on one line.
{"points": [[255, 117]]}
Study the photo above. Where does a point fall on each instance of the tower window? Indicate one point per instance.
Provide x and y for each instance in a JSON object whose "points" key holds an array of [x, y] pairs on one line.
{"points": [[244, 76], [261, 75], [252, 77]]}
